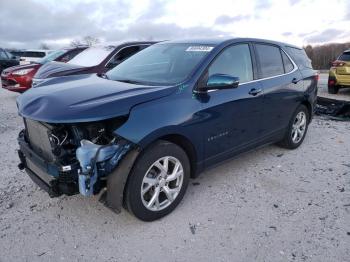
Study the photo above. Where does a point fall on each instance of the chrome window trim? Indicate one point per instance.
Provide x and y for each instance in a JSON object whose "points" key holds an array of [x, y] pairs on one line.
{"points": [[270, 77]]}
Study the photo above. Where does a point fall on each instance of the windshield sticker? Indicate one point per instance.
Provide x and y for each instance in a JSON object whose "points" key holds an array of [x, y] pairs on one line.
{"points": [[199, 48]]}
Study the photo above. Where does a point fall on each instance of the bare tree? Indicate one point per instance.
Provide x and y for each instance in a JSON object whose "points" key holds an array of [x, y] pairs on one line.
{"points": [[90, 40], [75, 43], [323, 55], [86, 40], [44, 46]]}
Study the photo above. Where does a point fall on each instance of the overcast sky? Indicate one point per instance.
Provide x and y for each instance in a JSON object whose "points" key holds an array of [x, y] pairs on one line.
{"points": [[28, 23]]}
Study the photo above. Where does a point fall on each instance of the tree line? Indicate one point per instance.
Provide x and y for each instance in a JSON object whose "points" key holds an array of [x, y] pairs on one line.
{"points": [[323, 55]]}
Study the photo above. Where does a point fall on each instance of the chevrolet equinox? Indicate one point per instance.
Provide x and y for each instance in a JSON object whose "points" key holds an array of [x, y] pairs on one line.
{"points": [[137, 134]]}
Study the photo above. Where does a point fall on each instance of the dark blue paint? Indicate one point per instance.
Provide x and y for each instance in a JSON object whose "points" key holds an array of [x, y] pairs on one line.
{"points": [[84, 98], [218, 124]]}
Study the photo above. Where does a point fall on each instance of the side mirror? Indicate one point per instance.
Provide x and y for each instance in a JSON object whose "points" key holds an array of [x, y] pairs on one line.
{"points": [[220, 81]]}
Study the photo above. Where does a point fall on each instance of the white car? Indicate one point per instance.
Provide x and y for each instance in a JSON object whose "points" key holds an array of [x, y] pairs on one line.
{"points": [[29, 56]]}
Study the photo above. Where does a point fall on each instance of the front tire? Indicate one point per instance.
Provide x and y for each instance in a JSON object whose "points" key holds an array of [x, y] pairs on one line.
{"points": [[297, 128], [158, 181]]}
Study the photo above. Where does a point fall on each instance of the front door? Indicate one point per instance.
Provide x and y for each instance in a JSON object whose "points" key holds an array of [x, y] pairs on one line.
{"points": [[233, 116]]}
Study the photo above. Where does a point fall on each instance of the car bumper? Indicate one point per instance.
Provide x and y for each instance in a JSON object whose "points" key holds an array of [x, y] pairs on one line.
{"points": [[46, 175], [12, 85], [341, 80]]}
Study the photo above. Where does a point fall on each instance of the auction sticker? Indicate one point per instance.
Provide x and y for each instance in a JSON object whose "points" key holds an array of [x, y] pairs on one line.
{"points": [[199, 48]]}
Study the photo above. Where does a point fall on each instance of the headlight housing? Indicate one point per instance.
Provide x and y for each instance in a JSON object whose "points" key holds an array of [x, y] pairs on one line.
{"points": [[22, 72]]}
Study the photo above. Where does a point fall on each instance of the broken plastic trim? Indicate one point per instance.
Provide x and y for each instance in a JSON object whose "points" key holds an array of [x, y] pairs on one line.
{"points": [[333, 109], [97, 161]]}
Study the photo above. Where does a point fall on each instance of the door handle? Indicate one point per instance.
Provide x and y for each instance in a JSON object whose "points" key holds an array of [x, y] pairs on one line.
{"points": [[295, 80], [255, 91]]}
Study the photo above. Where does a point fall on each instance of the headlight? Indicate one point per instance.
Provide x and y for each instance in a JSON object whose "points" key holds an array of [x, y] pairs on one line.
{"points": [[22, 72]]}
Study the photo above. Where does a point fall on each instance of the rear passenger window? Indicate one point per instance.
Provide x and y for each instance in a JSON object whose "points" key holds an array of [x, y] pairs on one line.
{"points": [[270, 60], [288, 66], [299, 57], [234, 61], [122, 55]]}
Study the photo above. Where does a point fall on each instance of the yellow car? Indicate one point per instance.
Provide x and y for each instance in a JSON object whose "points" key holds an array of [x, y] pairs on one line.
{"points": [[339, 74]]}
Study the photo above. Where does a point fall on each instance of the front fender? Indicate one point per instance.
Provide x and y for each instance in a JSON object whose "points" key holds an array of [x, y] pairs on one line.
{"points": [[177, 114]]}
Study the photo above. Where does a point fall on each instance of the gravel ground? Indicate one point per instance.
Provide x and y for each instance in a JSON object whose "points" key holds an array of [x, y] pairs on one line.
{"points": [[267, 205]]}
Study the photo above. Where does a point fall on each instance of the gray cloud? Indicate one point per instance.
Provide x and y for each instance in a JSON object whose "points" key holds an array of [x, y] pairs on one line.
{"points": [[225, 19], [38, 23], [155, 9], [154, 31], [287, 33], [324, 36], [293, 2], [262, 4]]}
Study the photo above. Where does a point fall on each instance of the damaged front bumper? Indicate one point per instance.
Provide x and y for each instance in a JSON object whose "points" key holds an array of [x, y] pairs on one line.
{"points": [[100, 168]]}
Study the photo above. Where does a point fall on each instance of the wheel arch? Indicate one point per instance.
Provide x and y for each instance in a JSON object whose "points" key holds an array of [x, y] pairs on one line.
{"points": [[308, 105], [187, 146]]}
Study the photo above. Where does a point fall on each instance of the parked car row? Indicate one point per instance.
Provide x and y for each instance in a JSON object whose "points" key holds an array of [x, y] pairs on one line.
{"points": [[19, 78], [71, 61], [133, 123]]}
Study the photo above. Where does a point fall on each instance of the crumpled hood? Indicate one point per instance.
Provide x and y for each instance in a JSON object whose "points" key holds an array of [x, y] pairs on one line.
{"points": [[53, 69], [84, 98]]}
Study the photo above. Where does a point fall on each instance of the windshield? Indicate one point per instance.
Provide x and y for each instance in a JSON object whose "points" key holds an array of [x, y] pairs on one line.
{"points": [[161, 64], [92, 56], [8, 54], [50, 57], [345, 57]]}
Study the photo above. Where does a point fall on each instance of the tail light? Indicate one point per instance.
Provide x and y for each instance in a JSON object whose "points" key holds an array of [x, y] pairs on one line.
{"points": [[337, 64], [331, 82], [317, 76]]}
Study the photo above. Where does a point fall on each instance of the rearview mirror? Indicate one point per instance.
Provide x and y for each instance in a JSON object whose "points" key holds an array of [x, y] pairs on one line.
{"points": [[220, 81]]}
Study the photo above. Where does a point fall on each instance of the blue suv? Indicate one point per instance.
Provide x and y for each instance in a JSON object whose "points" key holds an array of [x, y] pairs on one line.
{"points": [[138, 133]]}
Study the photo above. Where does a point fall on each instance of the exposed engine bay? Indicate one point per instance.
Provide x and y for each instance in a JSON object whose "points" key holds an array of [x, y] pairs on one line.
{"points": [[79, 157]]}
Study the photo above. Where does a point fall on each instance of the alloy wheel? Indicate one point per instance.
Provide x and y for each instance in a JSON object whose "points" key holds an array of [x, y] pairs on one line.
{"points": [[162, 183], [299, 127]]}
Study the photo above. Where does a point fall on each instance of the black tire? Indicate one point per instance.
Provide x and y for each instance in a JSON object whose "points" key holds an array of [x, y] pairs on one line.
{"points": [[333, 89], [133, 198], [287, 141]]}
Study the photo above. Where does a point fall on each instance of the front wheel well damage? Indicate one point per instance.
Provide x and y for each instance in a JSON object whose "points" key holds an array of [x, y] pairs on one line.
{"points": [[187, 146]]}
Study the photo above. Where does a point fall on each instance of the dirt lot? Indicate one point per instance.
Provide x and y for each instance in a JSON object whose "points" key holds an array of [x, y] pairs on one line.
{"points": [[268, 205]]}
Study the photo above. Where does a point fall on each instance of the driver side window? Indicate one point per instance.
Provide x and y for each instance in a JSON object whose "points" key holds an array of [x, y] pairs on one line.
{"points": [[234, 61]]}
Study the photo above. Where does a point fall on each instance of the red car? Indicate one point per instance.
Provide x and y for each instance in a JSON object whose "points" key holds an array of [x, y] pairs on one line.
{"points": [[19, 78]]}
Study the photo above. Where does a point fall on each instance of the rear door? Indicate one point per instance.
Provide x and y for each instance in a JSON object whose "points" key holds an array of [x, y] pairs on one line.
{"points": [[282, 86]]}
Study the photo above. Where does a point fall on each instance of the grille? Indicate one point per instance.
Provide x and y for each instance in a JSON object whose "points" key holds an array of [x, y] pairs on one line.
{"points": [[38, 136]]}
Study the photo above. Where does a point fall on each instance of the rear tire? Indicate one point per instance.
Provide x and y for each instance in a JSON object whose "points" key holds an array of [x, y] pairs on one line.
{"points": [[333, 89], [158, 181], [297, 128]]}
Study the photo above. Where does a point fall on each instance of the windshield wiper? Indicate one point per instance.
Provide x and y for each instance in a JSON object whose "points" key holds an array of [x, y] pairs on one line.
{"points": [[129, 81]]}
